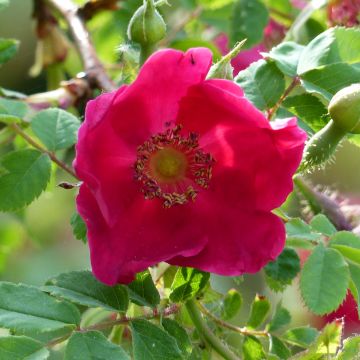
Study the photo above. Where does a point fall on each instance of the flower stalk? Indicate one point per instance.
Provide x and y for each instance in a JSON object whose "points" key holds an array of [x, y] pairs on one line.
{"points": [[208, 336]]}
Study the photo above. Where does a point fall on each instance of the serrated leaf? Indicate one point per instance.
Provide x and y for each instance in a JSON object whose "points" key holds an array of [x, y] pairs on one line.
{"points": [[281, 318], [285, 268], [231, 304], [79, 227], [308, 108], [277, 347], [260, 309], [152, 343], [81, 287], [350, 349], [355, 284], [56, 128], [322, 224], [324, 280], [263, 83], [346, 238], [142, 291], [22, 348], [12, 107], [332, 46], [27, 310], [28, 172], [286, 56], [329, 79], [301, 336], [93, 345], [8, 48], [175, 330], [252, 349], [348, 252], [249, 19], [299, 234], [188, 283]]}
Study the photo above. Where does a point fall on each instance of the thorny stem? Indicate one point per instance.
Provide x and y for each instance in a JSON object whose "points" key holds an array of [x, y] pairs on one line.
{"points": [[92, 65], [244, 331], [322, 203], [37, 146], [204, 332], [173, 309], [288, 90]]}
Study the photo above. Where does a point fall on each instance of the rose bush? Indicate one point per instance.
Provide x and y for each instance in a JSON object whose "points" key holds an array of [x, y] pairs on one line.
{"points": [[185, 170]]}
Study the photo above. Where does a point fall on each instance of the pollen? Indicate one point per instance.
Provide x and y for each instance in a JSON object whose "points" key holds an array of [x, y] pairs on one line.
{"points": [[172, 167]]}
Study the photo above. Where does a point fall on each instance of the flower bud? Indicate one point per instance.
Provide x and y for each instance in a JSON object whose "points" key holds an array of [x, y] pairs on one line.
{"points": [[344, 109], [223, 68], [147, 26]]}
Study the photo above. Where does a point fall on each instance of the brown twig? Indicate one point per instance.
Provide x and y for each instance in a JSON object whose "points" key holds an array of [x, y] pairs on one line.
{"points": [[286, 93], [172, 309], [93, 67], [37, 146], [92, 7], [242, 330]]}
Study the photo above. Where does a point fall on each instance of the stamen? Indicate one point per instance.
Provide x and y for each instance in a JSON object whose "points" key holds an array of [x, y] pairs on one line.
{"points": [[170, 160]]}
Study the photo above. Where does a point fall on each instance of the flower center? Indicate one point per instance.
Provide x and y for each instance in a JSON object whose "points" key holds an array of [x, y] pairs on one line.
{"points": [[172, 167]]}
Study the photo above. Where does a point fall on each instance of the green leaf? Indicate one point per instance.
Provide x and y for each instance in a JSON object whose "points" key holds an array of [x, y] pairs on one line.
{"points": [[322, 224], [281, 318], [79, 227], [327, 342], [278, 348], [348, 252], [249, 19], [81, 287], [231, 304], [27, 310], [21, 348], [186, 44], [324, 280], [8, 48], [328, 80], [175, 330], [332, 46], [213, 4], [346, 238], [286, 56], [252, 349], [308, 108], [93, 345], [188, 283], [56, 128], [350, 349], [28, 172], [300, 234], [263, 83], [301, 336], [284, 269], [143, 292], [260, 309], [152, 343], [15, 108], [4, 4], [355, 284]]}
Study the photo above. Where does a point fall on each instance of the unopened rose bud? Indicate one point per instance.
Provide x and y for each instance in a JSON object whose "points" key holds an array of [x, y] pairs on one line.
{"points": [[344, 109], [147, 26]]}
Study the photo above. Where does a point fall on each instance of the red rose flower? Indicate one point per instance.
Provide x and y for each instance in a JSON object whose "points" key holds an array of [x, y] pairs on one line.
{"points": [[344, 12], [185, 170]]}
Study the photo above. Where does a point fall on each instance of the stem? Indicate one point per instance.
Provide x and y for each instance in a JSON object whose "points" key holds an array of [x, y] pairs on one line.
{"points": [[93, 66], [244, 331], [37, 146], [145, 52], [320, 203], [173, 309], [286, 93], [206, 333]]}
